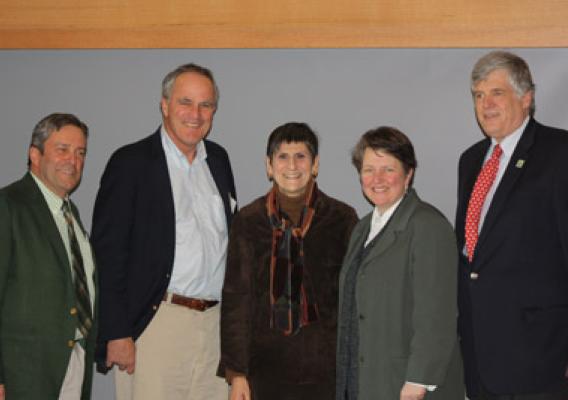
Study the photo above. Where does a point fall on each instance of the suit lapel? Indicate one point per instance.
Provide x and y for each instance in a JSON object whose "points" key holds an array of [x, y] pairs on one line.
{"points": [[159, 177], [470, 166], [359, 237], [219, 176], [398, 222], [382, 243], [44, 218], [476, 165], [510, 177]]}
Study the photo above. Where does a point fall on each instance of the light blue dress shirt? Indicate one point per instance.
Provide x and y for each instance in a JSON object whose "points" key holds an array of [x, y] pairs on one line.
{"points": [[200, 223]]}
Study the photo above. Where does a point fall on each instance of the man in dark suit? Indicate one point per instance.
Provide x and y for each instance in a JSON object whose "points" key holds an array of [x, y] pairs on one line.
{"points": [[160, 229], [512, 228], [47, 282]]}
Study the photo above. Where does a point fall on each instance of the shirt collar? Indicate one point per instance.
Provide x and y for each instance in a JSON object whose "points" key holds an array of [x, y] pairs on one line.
{"points": [[509, 143], [385, 216], [173, 151], [54, 202]]}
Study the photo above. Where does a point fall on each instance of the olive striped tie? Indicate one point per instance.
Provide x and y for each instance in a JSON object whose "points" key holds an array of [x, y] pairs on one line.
{"points": [[84, 313]]}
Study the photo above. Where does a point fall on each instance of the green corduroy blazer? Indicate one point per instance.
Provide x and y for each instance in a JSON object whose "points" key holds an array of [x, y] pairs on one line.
{"points": [[37, 320]]}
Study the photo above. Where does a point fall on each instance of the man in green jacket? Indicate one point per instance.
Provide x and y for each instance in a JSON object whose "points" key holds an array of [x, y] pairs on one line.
{"points": [[47, 272]]}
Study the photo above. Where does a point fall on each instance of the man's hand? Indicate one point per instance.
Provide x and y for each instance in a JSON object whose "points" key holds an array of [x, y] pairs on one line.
{"points": [[412, 392], [239, 389], [121, 352], [2, 393]]}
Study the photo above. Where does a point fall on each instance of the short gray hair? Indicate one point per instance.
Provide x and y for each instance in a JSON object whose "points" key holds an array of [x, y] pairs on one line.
{"points": [[170, 78], [518, 71]]}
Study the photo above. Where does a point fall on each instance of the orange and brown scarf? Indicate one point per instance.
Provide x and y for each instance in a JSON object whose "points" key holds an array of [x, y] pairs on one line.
{"points": [[292, 298]]}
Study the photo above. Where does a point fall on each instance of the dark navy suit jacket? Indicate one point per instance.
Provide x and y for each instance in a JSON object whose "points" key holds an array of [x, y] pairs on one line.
{"points": [[133, 233], [513, 319]]}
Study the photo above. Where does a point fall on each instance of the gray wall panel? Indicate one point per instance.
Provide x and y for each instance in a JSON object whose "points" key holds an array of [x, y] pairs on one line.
{"points": [[340, 93]]}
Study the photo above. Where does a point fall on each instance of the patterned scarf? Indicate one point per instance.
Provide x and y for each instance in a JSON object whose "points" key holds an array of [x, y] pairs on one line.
{"points": [[292, 298]]}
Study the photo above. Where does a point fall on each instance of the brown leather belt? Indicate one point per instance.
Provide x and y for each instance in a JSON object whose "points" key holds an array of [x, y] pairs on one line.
{"points": [[189, 302]]}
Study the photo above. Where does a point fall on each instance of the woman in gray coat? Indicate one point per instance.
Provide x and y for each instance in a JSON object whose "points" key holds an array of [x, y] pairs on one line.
{"points": [[397, 290]]}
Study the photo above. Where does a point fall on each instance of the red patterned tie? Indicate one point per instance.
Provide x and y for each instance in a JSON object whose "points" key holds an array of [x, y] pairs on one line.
{"points": [[480, 189]]}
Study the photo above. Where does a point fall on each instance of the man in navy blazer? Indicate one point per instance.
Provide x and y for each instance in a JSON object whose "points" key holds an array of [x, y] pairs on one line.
{"points": [[513, 287], [160, 231]]}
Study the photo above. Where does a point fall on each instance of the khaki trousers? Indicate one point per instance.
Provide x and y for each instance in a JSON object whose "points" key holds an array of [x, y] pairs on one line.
{"points": [[73, 382], [176, 358]]}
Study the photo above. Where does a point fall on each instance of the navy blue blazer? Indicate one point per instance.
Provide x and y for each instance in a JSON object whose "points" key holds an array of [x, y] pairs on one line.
{"points": [[133, 233], [513, 320]]}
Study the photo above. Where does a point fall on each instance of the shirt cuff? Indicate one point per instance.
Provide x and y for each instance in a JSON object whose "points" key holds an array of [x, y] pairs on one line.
{"points": [[429, 388]]}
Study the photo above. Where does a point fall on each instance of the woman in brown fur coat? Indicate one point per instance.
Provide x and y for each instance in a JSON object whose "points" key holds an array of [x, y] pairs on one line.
{"points": [[279, 308]]}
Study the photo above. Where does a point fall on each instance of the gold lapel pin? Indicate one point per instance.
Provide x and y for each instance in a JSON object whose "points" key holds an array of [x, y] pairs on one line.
{"points": [[520, 163]]}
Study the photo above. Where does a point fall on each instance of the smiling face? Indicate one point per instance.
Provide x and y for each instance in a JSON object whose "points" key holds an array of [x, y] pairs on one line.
{"points": [[188, 113], [292, 167], [60, 166], [498, 108], [383, 178]]}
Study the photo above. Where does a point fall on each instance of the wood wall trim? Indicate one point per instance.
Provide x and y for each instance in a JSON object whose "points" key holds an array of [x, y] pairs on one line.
{"points": [[80, 24]]}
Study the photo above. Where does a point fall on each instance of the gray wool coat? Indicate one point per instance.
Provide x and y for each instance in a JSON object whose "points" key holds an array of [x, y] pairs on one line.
{"points": [[406, 296]]}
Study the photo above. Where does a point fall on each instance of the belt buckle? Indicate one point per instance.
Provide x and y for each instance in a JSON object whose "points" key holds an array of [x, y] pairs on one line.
{"points": [[200, 305], [189, 302]]}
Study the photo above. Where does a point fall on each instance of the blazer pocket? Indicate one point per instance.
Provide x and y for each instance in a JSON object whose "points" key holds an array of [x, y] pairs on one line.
{"points": [[546, 315], [21, 358]]}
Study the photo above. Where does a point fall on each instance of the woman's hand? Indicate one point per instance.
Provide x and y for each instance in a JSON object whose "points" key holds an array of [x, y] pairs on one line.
{"points": [[412, 392], [239, 389]]}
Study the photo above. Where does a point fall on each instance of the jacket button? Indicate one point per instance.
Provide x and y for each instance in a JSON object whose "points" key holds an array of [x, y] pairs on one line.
{"points": [[73, 311], [361, 317], [71, 343], [361, 360], [154, 307]]}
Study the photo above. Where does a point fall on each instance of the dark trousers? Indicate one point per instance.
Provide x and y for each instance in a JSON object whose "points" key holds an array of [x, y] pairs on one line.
{"points": [[558, 393], [263, 390]]}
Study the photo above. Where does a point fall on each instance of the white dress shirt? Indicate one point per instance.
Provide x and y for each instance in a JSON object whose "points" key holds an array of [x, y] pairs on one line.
{"points": [[379, 220], [201, 227]]}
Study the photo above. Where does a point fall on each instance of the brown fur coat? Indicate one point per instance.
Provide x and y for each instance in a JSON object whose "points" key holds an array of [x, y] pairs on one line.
{"points": [[248, 345]]}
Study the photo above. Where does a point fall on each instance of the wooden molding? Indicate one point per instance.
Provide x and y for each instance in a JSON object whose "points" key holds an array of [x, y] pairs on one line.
{"points": [[62, 24]]}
